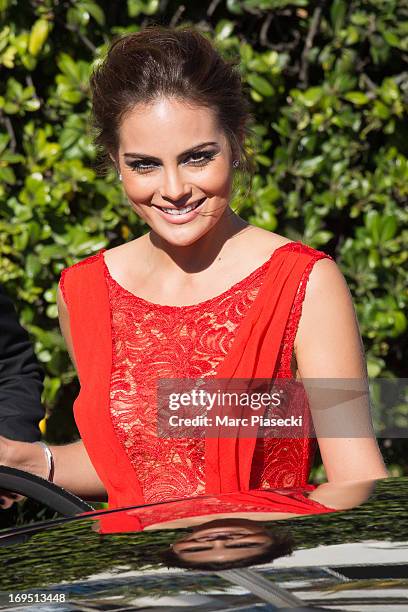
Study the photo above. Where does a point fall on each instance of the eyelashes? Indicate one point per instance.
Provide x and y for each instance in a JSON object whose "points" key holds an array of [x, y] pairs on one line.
{"points": [[243, 545], [200, 158]]}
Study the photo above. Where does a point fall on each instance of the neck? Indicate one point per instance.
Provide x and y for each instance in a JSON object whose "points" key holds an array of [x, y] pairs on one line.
{"points": [[202, 253]]}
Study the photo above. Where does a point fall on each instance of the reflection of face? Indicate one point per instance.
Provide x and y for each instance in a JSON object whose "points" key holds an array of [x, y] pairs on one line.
{"points": [[160, 168], [223, 540]]}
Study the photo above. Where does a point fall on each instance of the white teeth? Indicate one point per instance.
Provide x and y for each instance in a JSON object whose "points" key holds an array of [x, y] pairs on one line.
{"points": [[181, 211]]}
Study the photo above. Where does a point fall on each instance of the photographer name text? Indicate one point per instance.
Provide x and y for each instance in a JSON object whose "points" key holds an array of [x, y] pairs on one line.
{"points": [[226, 421]]}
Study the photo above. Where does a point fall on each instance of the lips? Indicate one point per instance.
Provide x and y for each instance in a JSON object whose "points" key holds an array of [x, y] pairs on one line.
{"points": [[174, 210], [188, 213]]}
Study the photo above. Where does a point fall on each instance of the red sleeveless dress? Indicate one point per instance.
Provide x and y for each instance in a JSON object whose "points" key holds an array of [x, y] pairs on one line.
{"points": [[152, 341], [246, 332]]}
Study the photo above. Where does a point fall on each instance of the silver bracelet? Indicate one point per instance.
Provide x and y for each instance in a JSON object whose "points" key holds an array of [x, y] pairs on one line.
{"points": [[50, 461]]}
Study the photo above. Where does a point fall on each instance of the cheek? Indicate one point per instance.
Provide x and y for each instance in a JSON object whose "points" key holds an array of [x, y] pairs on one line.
{"points": [[216, 180], [139, 189], [216, 177]]}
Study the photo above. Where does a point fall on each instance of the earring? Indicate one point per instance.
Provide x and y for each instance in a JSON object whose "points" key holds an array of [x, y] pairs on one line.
{"points": [[235, 163], [120, 176]]}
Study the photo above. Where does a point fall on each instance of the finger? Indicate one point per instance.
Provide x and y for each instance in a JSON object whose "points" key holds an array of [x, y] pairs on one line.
{"points": [[5, 503], [10, 494]]}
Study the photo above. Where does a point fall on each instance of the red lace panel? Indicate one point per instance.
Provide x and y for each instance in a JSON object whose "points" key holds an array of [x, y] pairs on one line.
{"points": [[152, 341], [293, 501]]}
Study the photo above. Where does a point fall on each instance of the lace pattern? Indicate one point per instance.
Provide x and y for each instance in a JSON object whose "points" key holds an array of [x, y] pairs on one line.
{"points": [[223, 504], [152, 341]]}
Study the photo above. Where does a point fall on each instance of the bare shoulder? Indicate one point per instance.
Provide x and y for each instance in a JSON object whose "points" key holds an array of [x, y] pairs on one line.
{"points": [[264, 241], [325, 278], [327, 294], [268, 238], [328, 341], [118, 256]]}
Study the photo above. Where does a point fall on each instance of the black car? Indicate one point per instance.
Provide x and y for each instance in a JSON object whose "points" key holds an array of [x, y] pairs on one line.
{"points": [[350, 560]]}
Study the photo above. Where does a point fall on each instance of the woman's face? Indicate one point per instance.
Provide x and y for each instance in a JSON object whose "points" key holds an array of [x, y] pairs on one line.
{"points": [[176, 168], [223, 540]]}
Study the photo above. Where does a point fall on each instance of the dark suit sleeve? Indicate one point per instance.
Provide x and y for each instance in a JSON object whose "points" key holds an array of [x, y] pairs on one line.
{"points": [[21, 378]]}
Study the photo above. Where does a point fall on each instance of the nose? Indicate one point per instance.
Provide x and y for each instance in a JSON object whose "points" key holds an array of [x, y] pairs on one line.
{"points": [[218, 536], [174, 188]]}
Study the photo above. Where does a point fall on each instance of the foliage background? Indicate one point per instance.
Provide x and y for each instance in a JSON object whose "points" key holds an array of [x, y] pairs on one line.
{"points": [[329, 86]]}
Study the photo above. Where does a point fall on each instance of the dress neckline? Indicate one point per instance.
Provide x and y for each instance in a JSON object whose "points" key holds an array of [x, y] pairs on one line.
{"points": [[169, 308]]}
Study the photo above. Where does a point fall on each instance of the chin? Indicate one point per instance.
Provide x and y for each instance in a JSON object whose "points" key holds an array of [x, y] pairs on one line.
{"points": [[180, 238]]}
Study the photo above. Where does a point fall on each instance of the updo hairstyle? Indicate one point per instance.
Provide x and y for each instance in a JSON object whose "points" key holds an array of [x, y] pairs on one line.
{"points": [[178, 62]]}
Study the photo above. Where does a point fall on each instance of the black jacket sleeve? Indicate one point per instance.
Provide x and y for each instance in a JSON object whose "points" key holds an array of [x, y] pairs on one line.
{"points": [[21, 378]]}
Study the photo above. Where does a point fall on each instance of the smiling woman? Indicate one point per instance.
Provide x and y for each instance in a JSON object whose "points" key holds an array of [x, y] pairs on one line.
{"points": [[180, 186], [202, 294]]}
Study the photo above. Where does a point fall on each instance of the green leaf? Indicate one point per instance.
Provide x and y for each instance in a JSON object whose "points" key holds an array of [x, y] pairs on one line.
{"points": [[94, 10], [256, 96], [32, 105], [234, 6], [52, 311], [400, 323], [136, 7], [67, 65], [260, 84], [391, 38], [7, 175], [309, 167], [374, 367], [389, 227], [32, 265], [338, 11], [44, 356], [322, 237], [38, 36], [312, 96], [264, 160], [224, 29], [357, 97], [373, 225], [10, 108]]}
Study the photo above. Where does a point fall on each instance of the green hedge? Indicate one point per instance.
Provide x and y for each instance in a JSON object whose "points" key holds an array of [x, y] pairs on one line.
{"points": [[329, 90]]}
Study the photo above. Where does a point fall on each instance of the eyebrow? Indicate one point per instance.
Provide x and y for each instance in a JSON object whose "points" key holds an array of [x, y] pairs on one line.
{"points": [[191, 150], [197, 549]]}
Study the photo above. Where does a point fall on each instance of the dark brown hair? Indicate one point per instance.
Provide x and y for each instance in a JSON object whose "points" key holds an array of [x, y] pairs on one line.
{"points": [[168, 62]]}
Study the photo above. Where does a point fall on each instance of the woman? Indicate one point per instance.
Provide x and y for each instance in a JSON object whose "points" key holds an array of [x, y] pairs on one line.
{"points": [[202, 294]]}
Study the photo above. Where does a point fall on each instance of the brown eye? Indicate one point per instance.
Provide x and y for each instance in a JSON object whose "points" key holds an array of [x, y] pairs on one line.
{"points": [[142, 167], [201, 158], [198, 158]]}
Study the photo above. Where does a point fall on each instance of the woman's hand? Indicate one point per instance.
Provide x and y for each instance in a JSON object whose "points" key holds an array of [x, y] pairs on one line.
{"points": [[7, 499], [73, 468], [26, 456]]}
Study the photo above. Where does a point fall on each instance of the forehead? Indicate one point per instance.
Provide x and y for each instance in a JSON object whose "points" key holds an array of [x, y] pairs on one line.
{"points": [[166, 125]]}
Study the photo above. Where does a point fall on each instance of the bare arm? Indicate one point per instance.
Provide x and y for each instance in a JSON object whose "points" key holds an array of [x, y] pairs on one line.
{"points": [[73, 468], [343, 495], [328, 346]]}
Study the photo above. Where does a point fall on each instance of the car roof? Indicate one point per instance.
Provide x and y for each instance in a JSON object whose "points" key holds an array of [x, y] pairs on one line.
{"points": [[352, 560]]}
